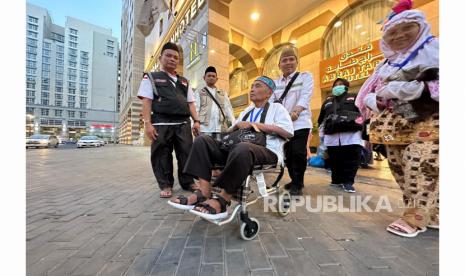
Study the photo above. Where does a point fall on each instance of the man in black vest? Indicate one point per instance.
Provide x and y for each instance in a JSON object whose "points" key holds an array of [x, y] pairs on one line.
{"points": [[167, 104]]}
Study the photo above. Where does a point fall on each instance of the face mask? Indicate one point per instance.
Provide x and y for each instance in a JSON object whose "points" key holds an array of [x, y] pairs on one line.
{"points": [[339, 90]]}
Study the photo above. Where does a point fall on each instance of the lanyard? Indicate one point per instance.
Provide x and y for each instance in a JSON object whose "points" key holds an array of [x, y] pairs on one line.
{"points": [[254, 119]]}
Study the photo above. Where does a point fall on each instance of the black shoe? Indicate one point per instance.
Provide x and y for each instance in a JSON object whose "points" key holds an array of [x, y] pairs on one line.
{"points": [[295, 191], [349, 188], [335, 185], [288, 186]]}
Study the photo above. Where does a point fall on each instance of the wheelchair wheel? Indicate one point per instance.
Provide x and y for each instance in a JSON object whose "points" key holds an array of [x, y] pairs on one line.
{"points": [[284, 203], [250, 232]]}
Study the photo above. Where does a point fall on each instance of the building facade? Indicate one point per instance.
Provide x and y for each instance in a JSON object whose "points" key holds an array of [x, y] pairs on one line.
{"points": [[71, 77], [132, 68], [333, 38]]}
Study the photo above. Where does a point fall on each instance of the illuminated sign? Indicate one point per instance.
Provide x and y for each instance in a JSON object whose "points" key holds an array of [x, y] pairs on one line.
{"points": [[356, 64], [101, 125], [187, 19]]}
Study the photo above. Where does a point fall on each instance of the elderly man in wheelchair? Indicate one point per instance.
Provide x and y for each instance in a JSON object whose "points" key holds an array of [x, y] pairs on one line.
{"points": [[254, 144]]}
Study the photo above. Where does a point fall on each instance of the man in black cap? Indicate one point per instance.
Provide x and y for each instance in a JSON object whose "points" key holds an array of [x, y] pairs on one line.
{"points": [[167, 104], [213, 106]]}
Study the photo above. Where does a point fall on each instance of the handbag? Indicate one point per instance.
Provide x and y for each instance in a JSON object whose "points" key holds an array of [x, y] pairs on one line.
{"points": [[250, 135], [225, 123], [342, 120]]}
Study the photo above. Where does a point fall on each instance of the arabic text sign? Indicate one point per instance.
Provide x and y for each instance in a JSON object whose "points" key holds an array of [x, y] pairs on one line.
{"points": [[356, 64]]}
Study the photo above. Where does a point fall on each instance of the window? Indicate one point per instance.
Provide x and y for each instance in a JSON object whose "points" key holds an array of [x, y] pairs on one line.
{"points": [[84, 67], [58, 103], [71, 104], [31, 85], [30, 93], [73, 31], [46, 52], [59, 76], [70, 114], [45, 81], [31, 49], [32, 34], [31, 42], [72, 52], [83, 80], [32, 27], [45, 95], [72, 85], [31, 64], [83, 100], [72, 44], [30, 71], [30, 110], [84, 54], [60, 56], [46, 67], [72, 91], [31, 56], [44, 102], [72, 78], [45, 87], [360, 22], [72, 38], [44, 111], [72, 98], [32, 19], [72, 58], [161, 27], [60, 48], [110, 42], [84, 61], [58, 83], [46, 60], [58, 37], [110, 54], [72, 72], [45, 74], [83, 105], [30, 100], [47, 45], [72, 64], [110, 48], [58, 112], [82, 115], [58, 96], [59, 89]]}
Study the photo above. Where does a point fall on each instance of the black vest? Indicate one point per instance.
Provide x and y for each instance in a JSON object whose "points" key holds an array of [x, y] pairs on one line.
{"points": [[170, 105]]}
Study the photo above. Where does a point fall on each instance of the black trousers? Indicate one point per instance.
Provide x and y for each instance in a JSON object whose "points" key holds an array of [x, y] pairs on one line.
{"points": [[345, 161], [239, 161], [179, 138], [296, 157]]}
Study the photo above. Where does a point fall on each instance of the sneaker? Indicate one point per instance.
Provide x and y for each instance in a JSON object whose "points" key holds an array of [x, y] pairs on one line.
{"points": [[348, 188]]}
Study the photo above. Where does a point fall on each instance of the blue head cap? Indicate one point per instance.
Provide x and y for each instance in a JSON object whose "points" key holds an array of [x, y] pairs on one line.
{"points": [[269, 82]]}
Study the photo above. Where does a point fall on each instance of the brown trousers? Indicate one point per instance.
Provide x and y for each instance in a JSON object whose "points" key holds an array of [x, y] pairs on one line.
{"points": [[416, 169]]}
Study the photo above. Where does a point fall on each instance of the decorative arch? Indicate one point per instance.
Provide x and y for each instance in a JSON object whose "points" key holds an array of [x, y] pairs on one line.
{"points": [[238, 81], [359, 26], [247, 61]]}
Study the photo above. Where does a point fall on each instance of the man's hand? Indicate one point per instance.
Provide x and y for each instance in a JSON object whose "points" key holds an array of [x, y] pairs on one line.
{"points": [[243, 125], [381, 103], [294, 115], [196, 129], [309, 153], [151, 131]]}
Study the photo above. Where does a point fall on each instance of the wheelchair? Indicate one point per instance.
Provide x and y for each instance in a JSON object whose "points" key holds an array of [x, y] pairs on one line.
{"points": [[247, 195]]}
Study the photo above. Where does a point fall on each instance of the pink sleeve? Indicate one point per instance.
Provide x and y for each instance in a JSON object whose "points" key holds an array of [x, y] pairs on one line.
{"points": [[434, 89]]}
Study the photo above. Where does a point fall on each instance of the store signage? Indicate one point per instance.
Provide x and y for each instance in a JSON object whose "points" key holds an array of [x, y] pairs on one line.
{"points": [[101, 125], [356, 64], [240, 100], [190, 15]]}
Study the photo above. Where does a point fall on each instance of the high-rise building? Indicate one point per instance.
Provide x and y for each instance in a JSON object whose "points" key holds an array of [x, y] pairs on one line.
{"points": [[71, 77], [132, 68]]}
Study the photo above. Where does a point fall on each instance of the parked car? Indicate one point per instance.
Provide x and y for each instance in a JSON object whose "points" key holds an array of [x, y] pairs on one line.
{"points": [[42, 140], [89, 141], [102, 142]]}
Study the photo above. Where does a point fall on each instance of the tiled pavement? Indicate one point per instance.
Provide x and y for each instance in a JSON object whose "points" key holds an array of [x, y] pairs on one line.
{"points": [[97, 212]]}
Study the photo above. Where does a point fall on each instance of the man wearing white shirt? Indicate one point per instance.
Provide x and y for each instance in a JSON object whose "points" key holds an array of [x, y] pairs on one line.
{"points": [[297, 103], [167, 104], [213, 106]]}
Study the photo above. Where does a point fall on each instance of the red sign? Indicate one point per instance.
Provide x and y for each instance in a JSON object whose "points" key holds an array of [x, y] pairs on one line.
{"points": [[101, 125]]}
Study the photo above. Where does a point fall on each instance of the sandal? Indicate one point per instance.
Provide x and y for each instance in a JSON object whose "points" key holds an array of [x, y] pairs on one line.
{"points": [[166, 193], [433, 226], [401, 228], [183, 201], [212, 213]]}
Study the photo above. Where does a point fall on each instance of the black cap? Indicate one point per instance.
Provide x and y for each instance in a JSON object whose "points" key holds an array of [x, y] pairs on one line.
{"points": [[170, 46], [210, 69], [344, 81]]}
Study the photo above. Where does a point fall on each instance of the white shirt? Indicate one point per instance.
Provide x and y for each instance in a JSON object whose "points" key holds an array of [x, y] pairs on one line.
{"points": [[343, 139], [214, 123], [146, 91], [278, 116], [299, 94]]}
